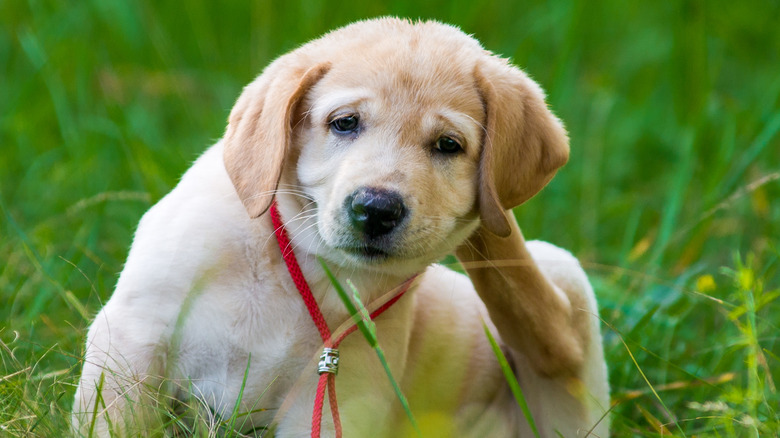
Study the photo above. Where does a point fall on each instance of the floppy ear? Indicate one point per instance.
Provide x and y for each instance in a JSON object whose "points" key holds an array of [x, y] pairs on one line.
{"points": [[260, 129], [524, 144]]}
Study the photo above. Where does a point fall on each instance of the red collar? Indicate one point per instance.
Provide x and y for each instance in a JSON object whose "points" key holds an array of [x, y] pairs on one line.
{"points": [[328, 365]]}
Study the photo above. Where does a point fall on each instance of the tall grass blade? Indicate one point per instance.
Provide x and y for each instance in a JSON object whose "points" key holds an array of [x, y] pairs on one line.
{"points": [[511, 380], [647, 381], [234, 415], [98, 402], [753, 152], [676, 192], [351, 309]]}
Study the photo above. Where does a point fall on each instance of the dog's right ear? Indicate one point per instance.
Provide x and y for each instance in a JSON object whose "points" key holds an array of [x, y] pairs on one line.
{"points": [[524, 145], [259, 129]]}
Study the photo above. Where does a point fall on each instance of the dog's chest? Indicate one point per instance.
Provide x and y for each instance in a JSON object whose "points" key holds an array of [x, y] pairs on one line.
{"points": [[245, 340]]}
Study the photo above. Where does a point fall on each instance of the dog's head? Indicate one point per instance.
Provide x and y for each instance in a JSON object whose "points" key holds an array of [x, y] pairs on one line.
{"points": [[398, 139]]}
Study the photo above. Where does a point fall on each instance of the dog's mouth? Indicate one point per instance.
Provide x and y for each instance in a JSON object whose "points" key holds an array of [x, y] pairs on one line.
{"points": [[366, 252]]}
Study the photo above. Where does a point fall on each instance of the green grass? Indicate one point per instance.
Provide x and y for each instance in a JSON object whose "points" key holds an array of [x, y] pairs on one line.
{"points": [[669, 199]]}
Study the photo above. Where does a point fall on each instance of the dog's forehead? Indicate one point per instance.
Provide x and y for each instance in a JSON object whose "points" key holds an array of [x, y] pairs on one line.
{"points": [[405, 66], [424, 60], [401, 84]]}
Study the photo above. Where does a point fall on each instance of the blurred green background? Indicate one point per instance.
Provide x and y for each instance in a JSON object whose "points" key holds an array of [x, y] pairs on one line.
{"points": [[669, 199]]}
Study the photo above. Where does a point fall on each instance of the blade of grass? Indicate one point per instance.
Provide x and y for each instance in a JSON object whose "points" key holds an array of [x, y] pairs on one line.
{"points": [[254, 408], [676, 196], [46, 412], [367, 327], [98, 401], [642, 373], [351, 309], [752, 153], [364, 315], [511, 380], [38, 262], [234, 414]]}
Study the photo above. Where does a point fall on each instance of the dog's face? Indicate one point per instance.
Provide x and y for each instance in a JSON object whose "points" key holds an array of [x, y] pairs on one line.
{"points": [[400, 138], [390, 157]]}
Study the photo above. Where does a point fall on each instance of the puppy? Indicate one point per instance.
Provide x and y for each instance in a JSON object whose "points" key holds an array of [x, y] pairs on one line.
{"points": [[382, 147]]}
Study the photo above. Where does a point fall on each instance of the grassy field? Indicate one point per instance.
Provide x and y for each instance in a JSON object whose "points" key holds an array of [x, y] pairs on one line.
{"points": [[670, 198]]}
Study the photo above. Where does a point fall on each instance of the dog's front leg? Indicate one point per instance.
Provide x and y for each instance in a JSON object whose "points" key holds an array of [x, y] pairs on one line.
{"points": [[533, 314], [120, 389]]}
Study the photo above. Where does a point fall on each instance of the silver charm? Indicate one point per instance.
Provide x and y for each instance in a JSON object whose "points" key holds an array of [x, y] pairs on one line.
{"points": [[329, 361]]}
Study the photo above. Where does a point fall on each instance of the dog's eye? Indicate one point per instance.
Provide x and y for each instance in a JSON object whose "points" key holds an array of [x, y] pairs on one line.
{"points": [[447, 145], [346, 124]]}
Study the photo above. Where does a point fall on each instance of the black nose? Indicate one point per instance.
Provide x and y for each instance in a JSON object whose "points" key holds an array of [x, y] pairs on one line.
{"points": [[375, 212]]}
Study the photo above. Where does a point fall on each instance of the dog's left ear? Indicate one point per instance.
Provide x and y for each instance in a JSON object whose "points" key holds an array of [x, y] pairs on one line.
{"points": [[260, 127], [524, 144]]}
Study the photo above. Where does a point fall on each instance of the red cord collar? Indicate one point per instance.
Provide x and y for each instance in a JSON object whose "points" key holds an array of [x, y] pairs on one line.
{"points": [[328, 365]]}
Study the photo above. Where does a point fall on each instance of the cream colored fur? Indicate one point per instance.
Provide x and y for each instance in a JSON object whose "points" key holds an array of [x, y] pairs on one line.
{"points": [[205, 301]]}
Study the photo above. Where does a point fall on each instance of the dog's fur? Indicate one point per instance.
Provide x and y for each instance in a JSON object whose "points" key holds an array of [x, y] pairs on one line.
{"points": [[205, 309]]}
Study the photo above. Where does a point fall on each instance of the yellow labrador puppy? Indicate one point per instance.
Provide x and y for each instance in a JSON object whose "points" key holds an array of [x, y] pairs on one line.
{"points": [[381, 147]]}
